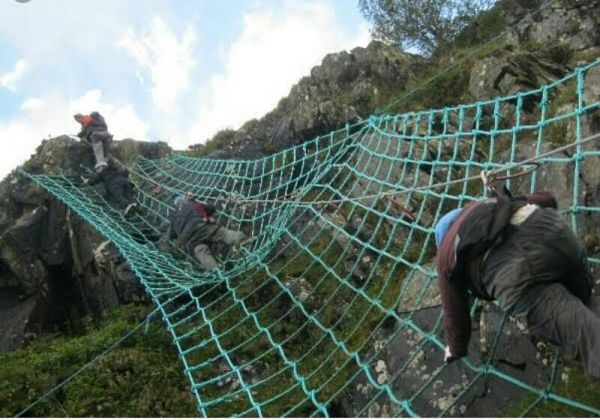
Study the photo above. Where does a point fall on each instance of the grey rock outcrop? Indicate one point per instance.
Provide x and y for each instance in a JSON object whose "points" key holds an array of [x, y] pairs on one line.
{"points": [[571, 22], [410, 366], [540, 48], [507, 73], [345, 88], [54, 268]]}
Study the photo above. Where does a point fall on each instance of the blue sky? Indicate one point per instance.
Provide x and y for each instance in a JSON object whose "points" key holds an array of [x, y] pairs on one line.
{"points": [[175, 70]]}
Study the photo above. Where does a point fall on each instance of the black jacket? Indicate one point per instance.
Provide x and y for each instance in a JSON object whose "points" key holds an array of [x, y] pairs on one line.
{"points": [[191, 223], [487, 226], [481, 226], [116, 183], [112, 175]]}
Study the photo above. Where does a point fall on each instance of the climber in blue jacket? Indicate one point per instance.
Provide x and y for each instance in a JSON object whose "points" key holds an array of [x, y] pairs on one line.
{"points": [[520, 252]]}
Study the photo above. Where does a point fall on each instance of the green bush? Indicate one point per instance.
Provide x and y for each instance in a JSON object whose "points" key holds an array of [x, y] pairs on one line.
{"points": [[219, 140]]}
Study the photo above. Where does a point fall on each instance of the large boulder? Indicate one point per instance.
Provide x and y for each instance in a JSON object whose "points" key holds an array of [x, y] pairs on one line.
{"points": [[410, 365], [507, 72]]}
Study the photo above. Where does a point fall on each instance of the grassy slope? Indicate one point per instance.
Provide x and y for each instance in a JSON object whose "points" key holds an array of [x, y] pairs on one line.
{"points": [[142, 377]]}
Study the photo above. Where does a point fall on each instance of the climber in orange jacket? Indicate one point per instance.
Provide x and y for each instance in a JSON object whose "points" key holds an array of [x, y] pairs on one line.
{"points": [[95, 131]]}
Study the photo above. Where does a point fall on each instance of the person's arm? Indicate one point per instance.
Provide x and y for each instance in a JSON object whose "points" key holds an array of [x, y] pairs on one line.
{"points": [[210, 210], [94, 180], [172, 233], [83, 133], [542, 199], [457, 319]]}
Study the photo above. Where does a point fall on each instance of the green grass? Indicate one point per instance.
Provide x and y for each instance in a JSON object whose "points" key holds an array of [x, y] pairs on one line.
{"points": [[215, 143], [449, 87], [141, 377]]}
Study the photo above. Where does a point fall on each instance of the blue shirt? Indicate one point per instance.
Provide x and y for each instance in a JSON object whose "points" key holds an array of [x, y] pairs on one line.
{"points": [[444, 224]]}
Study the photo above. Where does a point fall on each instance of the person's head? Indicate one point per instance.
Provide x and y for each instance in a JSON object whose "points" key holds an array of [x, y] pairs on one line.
{"points": [[78, 117], [444, 224], [178, 199]]}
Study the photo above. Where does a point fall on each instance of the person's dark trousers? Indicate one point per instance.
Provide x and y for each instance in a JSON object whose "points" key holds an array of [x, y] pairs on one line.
{"points": [[120, 193], [539, 273], [556, 315]]}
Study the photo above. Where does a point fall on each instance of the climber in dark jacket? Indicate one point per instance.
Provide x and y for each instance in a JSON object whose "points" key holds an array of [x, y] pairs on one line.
{"points": [[192, 225], [95, 131], [117, 185], [520, 252]]}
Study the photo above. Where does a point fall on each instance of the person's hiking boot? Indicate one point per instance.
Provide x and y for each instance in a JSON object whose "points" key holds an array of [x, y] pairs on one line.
{"points": [[130, 209]]}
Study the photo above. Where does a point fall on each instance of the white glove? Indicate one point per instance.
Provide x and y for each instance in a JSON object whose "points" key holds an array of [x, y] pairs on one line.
{"points": [[448, 356]]}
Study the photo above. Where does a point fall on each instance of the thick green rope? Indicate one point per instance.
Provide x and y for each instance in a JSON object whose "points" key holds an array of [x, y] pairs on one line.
{"points": [[342, 236]]}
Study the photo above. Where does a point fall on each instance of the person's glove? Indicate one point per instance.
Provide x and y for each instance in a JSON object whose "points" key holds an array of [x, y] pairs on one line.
{"points": [[448, 358]]}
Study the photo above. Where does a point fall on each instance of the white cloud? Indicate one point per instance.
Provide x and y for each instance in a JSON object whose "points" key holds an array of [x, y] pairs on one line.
{"points": [[166, 57], [9, 79], [273, 52], [51, 115], [33, 103], [122, 120]]}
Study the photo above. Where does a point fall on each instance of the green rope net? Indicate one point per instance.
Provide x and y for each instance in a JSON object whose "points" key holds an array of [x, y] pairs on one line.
{"points": [[324, 303]]}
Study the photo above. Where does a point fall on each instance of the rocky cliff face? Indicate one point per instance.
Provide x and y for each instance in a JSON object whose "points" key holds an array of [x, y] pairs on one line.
{"points": [[569, 22], [346, 87], [54, 268], [540, 50]]}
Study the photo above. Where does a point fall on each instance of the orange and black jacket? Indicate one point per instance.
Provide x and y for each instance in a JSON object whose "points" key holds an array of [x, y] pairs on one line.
{"points": [[90, 124]]}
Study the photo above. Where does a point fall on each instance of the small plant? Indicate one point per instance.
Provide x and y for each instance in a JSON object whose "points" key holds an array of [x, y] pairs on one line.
{"points": [[218, 141]]}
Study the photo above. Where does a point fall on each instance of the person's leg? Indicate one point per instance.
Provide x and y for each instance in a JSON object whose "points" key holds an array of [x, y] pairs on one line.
{"points": [[226, 236], [120, 196], [554, 314], [106, 140], [578, 278], [98, 147], [204, 257], [104, 136]]}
